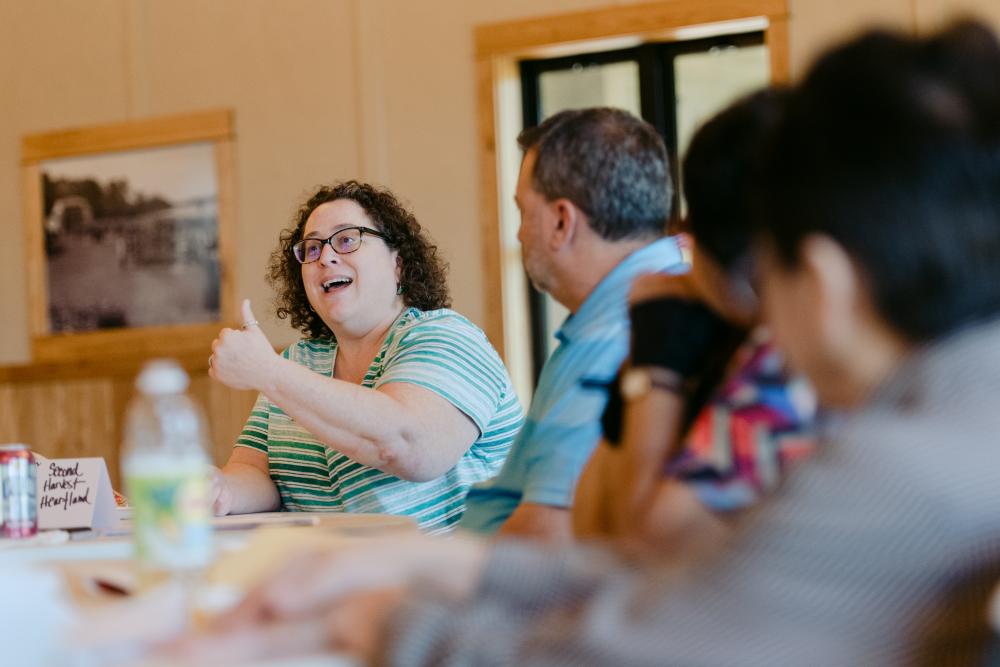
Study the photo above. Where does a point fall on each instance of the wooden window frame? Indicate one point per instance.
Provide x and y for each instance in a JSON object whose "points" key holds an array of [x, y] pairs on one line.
{"points": [[497, 45]]}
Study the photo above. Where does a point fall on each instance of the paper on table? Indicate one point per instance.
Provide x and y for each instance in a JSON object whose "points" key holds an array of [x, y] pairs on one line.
{"points": [[248, 521], [224, 523], [113, 633], [74, 493]]}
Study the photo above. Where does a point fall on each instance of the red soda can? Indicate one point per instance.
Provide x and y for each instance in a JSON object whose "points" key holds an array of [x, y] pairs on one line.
{"points": [[17, 479]]}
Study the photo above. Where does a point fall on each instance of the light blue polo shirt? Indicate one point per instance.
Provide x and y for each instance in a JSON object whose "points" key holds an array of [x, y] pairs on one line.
{"points": [[564, 421]]}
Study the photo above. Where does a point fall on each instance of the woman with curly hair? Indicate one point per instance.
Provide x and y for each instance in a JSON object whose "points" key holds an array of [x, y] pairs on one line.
{"points": [[391, 402]]}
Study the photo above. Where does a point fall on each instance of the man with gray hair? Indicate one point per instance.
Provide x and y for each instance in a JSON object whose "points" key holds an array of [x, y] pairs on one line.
{"points": [[594, 195]]}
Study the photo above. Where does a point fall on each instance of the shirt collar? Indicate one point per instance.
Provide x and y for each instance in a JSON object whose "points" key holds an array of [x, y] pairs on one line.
{"points": [[609, 297]]}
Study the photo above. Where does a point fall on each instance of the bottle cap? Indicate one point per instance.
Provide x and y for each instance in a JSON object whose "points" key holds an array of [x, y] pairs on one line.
{"points": [[161, 376]]}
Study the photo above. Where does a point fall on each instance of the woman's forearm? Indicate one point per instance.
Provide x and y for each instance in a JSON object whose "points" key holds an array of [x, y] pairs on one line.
{"points": [[592, 499], [356, 420], [250, 489], [414, 439], [401, 428], [619, 479], [651, 429]]}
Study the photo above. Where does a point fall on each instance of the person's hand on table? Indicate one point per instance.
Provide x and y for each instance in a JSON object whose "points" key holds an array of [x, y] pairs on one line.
{"points": [[313, 582], [353, 627], [248, 644], [243, 359], [356, 623], [338, 599]]}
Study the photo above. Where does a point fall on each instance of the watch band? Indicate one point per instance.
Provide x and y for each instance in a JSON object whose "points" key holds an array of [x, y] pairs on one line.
{"points": [[637, 382]]}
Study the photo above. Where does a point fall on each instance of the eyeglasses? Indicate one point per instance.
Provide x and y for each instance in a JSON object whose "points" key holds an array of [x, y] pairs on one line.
{"points": [[343, 241]]}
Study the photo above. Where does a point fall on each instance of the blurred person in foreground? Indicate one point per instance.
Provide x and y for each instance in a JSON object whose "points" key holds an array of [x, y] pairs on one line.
{"points": [[704, 420], [880, 261], [391, 403]]}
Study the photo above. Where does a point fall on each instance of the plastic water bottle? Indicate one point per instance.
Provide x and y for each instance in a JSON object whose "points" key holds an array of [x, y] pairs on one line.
{"points": [[166, 472]]}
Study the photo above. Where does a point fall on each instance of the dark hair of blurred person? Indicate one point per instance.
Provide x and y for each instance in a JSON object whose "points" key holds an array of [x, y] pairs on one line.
{"points": [[903, 172]]}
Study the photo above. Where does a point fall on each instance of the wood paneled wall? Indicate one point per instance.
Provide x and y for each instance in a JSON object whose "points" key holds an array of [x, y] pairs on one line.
{"points": [[62, 412]]}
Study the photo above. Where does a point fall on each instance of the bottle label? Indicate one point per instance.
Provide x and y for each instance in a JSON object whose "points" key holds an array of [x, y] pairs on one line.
{"points": [[171, 518]]}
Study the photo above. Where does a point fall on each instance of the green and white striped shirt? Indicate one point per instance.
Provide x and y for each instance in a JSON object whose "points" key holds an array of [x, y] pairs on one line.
{"points": [[439, 350]]}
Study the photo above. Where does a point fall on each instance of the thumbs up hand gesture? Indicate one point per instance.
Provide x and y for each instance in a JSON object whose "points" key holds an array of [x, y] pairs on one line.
{"points": [[243, 359]]}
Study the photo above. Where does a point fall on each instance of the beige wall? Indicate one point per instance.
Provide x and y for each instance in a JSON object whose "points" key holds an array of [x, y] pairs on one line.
{"points": [[322, 89]]}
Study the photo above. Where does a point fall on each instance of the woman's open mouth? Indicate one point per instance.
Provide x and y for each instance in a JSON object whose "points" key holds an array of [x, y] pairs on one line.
{"points": [[335, 284]]}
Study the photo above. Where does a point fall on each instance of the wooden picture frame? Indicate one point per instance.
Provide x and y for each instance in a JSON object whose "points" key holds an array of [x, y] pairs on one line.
{"points": [[136, 249]]}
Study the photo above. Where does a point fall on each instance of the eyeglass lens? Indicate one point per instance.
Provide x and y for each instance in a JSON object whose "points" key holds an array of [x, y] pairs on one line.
{"points": [[343, 242]]}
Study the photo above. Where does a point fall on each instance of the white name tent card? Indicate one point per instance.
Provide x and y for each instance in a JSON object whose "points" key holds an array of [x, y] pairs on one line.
{"points": [[74, 493]]}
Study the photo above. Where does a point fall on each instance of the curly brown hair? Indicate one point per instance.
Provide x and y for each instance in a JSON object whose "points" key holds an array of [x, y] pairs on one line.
{"points": [[422, 281]]}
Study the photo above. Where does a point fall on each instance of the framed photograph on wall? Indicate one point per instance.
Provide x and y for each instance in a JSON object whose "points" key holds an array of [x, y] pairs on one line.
{"points": [[129, 237]]}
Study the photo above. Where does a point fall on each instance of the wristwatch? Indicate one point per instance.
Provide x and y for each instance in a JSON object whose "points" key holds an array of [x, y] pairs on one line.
{"points": [[638, 381]]}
